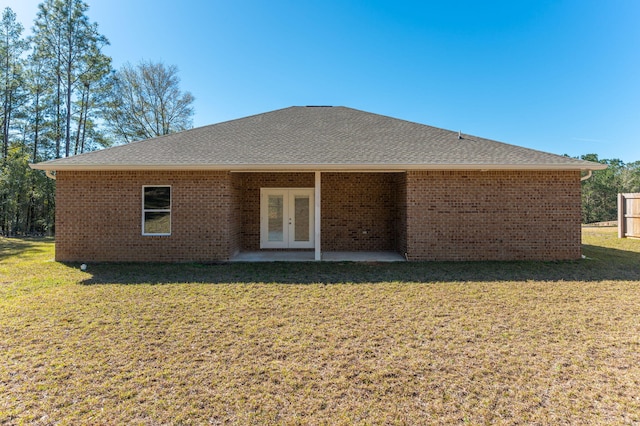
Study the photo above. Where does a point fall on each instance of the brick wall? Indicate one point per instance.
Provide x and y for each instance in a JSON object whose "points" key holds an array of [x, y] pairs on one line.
{"points": [[99, 216], [235, 221], [359, 212], [431, 215], [493, 215], [401, 212]]}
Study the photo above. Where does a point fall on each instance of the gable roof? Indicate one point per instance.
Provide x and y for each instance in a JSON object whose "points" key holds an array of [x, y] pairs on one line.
{"points": [[316, 138]]}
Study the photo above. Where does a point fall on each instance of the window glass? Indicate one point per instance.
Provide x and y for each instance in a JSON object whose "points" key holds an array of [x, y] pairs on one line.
{"points": [[156, 210], [157, 223], [157, 197]]}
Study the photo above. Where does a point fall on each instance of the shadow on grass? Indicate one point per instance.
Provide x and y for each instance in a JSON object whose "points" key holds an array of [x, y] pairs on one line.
{"points": [[20, 246], [600, 264]]}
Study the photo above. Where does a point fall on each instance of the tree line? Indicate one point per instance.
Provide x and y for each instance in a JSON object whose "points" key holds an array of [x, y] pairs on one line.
{"points": [[600, 192], [60, 96]]}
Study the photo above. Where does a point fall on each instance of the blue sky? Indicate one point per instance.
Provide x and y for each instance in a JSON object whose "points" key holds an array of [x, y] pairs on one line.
{"points": [[558, 76]]}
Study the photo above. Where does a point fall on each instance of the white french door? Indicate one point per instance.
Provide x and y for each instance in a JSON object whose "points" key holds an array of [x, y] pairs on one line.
{"points": [[286, 218]]}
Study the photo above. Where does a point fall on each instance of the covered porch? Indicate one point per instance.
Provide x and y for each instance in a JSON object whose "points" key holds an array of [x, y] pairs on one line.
{"points": [[304, 216]]}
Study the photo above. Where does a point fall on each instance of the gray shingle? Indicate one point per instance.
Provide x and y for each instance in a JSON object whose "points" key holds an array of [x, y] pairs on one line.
{"points": [[320, 138]]}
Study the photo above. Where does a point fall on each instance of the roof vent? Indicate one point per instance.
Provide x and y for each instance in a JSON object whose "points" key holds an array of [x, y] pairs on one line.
{"points": [[459, 134]]}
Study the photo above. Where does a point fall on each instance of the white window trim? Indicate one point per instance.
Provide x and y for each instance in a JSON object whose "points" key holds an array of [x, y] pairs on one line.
{"points": [[169, 210]]}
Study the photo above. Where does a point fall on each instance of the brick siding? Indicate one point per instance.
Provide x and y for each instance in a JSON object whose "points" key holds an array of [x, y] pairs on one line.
{"points": [[359, 212], [430, 215], [99, 216], [493, 215], [235, 220], [401, 212]]}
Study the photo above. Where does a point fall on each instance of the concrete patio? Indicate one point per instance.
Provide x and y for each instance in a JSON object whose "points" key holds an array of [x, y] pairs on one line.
{"points": [[308, 256]]}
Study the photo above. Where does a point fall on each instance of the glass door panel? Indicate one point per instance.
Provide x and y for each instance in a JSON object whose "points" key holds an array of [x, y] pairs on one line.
{"points": [[275, 226], [302, 217]]}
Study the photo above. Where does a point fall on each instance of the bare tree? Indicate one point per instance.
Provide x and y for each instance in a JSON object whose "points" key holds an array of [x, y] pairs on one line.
{"points": [[146, 101]]}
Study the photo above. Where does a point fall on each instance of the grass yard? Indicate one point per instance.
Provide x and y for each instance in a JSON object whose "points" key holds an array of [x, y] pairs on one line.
{"points": [[419, 343]]}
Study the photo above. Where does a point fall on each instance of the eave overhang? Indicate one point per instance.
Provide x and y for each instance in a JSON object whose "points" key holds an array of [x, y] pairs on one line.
{"points": [[310, 167]]}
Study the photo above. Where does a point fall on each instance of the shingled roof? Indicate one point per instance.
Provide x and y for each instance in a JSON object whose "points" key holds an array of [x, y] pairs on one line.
{"points": [[316, 138]]}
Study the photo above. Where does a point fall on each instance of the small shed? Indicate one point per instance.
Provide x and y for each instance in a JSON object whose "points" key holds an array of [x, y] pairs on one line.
{"points": [[629, 215]]}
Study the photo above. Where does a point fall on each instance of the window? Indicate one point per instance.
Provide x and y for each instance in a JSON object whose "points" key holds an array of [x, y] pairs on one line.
{"points": [[156, 210]]}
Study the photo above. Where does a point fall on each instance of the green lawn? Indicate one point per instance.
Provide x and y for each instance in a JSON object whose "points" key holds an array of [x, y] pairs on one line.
{"points": [[407, 343]]}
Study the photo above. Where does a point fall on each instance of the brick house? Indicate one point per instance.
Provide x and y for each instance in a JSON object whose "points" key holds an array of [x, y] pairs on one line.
{"points": [[317, 180]]}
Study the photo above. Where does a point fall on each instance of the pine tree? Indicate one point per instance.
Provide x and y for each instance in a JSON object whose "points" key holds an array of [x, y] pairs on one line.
{"points": [[71, 48], [12, 47], [12, 99]]}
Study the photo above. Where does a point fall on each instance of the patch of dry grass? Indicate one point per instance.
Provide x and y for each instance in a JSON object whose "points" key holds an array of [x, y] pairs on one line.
{"points": [[505, 343]]}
